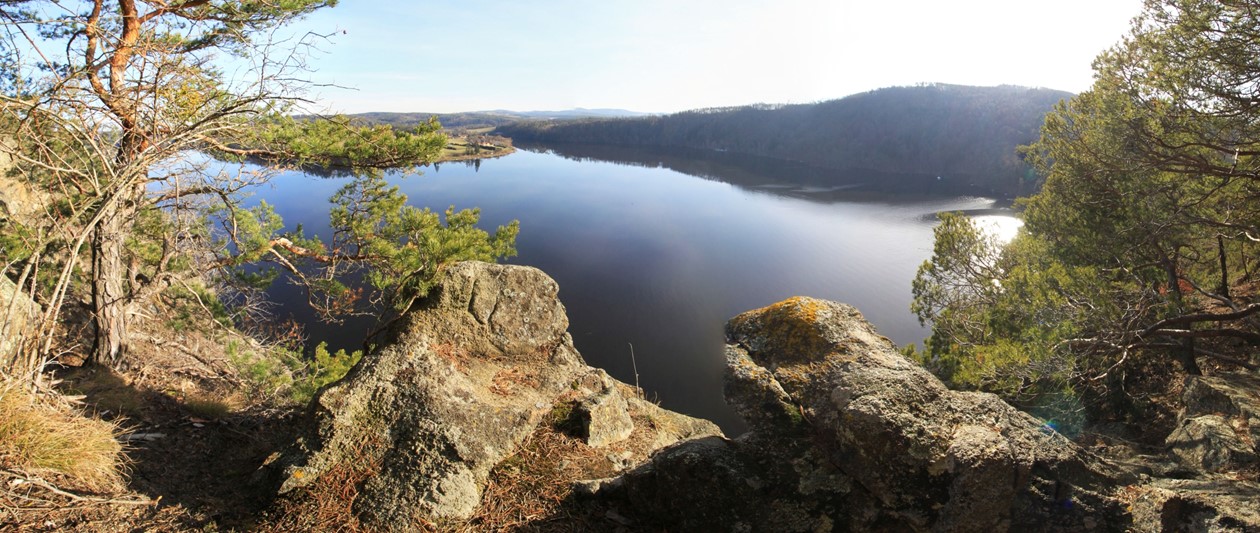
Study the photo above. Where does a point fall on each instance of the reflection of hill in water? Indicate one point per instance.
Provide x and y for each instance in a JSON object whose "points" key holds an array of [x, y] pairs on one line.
{"points": [[763, 174]]}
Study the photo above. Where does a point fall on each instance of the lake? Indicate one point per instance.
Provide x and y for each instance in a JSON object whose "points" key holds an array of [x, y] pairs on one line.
{"points": [[659, 248]]}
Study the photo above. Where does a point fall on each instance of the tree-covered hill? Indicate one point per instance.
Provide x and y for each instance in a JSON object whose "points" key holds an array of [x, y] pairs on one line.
{"points": [[967, 135], [486, 119]]}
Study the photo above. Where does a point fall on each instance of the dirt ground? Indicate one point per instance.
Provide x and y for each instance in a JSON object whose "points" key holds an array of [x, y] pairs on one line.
{"points": [[194, 443]]}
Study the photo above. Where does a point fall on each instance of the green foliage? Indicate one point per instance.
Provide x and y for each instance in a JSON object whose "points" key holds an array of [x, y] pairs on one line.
{"points": [[285, 375], [194, 299], [1145, 226], [963, 273], [999, 314], [399, 248], [103, 105], [17, 241], [338, 143], [323, 369], [250, 231], [267, 374]]}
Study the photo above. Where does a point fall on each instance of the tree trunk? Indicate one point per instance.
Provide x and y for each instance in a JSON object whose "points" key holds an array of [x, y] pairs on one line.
{"points": [[109, 295], [1223, 290], [1185, 354]]}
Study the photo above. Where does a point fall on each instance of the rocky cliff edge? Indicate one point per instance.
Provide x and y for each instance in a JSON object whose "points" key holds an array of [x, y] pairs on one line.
{"points": [[458, 388], [845, 433]]}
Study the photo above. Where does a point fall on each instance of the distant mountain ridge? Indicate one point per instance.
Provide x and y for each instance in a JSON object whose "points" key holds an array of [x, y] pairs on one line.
{"points": [[579, 112], [489, 119], [965, 135]]}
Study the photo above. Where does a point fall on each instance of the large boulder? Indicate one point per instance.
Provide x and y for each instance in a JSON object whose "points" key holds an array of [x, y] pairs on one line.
{"points": [[1210, 444], [847, 434], [455, 390], [1219, 426], [1194, 505]]}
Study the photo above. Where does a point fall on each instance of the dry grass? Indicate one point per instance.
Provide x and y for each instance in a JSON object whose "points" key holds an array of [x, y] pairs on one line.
{"points": [[40, 436], [528, 491], [327, 504], [206, 408]]}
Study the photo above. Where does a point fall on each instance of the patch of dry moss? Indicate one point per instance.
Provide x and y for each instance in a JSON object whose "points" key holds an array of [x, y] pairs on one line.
{"points": [[790, 327]]}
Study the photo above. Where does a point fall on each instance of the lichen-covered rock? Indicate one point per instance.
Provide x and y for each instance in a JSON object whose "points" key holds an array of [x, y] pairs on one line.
{"points": [[19, 201], [455, 390], [1219, 429], [1231, 394], [847, 434], [1210, 444], [1194, 505]]}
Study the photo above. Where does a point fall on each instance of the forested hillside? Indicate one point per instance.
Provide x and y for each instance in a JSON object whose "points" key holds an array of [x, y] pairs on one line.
{"points": [[485, 119], [967, 135], [1136, 271]]}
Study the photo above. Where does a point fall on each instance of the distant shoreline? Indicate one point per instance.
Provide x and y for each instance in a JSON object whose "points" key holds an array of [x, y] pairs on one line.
{"points": [[444, 158], [470, 147]]}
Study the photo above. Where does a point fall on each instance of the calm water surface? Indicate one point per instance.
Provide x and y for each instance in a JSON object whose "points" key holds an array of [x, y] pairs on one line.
{"points": [[659, 250]]}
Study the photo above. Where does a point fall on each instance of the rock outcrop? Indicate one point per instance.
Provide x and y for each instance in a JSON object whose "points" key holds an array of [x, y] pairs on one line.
{"points": [[1219, 426], [19, 201], [19, 204], [459, 386], [847, 434]]}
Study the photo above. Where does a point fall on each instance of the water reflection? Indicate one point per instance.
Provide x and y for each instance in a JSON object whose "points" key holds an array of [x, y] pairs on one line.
{"points": [[777, 176], [660, 250]]}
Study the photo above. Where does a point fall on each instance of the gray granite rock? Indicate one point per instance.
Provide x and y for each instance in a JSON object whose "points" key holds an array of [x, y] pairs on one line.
{"points": [[455, 390]]}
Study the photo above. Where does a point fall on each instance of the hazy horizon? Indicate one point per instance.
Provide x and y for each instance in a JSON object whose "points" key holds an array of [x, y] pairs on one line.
{"points": [[642, 112], [655, 56]]}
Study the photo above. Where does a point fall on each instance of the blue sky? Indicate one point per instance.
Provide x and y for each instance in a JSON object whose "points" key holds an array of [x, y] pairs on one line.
{"points": [[665, 56]]}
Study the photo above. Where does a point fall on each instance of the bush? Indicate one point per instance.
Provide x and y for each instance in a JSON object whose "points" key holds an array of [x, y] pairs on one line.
{"points": [[285, 375], [324, 369]]}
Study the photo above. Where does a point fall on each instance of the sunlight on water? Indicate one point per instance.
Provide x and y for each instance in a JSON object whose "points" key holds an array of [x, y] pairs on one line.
{"points": [[1001, 226]]}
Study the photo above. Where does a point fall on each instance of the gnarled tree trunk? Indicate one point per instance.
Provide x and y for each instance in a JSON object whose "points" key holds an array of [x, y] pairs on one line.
{"points": [[110, 298]]}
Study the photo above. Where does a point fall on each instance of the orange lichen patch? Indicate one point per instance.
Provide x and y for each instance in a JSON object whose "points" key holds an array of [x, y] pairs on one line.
{"points": [[784, 333]]}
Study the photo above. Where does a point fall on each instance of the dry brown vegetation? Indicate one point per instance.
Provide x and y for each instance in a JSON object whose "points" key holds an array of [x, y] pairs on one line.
{"points": [[172, 442], [529, 490], [44, 436], [327, 505]]}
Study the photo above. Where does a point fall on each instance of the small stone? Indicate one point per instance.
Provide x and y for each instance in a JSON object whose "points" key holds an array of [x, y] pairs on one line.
{"points": [[605, 419]]}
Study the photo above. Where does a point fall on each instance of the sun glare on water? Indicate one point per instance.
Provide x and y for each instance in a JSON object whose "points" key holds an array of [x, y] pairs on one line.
{"points": [[1003, 227]]}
